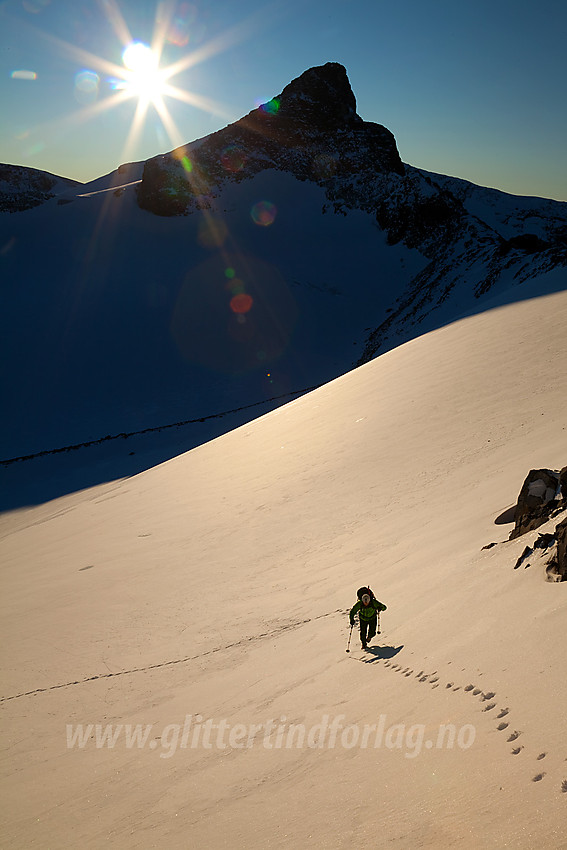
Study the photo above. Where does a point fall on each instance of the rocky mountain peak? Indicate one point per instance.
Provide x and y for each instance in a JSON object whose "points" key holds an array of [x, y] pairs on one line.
{"points": [[323, 95], [311, 130]]}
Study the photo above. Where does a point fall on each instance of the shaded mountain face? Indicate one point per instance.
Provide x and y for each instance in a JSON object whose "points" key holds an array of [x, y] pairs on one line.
{"points": [[237, 270], [22, 188]]}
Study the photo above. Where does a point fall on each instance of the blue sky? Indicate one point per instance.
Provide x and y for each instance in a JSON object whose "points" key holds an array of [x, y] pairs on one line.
{"points": [[471, 89]]}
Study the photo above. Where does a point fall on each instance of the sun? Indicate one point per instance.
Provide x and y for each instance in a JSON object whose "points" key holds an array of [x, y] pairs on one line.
{"points": [[142, 77]]}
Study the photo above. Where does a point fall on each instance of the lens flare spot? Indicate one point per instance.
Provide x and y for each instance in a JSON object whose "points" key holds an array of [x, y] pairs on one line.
{"points": [[271, 107], [35, 148], [263, 213], [241, 303], [233, 159], [208, 331], [181, 156], [181, 23], [23, 75], [86, 86], [229, 273]]}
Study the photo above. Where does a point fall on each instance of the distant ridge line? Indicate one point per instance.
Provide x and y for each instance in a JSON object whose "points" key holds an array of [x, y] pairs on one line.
{"points": [[125, 435]]}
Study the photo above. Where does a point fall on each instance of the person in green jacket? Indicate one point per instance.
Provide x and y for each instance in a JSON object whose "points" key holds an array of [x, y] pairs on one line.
{"points": [[367, 609]]}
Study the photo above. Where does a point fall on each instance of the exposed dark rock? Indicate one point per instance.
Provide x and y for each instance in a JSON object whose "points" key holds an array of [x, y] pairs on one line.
{"points": [[523, 557], [561, 535], [536, 502], [556, 566], [533, 518], [553, 546], [323, 96], [544, 542], [527, 242], [23, 188], [413, 222], [161, 191]]}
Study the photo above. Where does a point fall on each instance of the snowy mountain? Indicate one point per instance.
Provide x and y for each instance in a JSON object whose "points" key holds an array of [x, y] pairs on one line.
{"points": [[474, 240], [243, 268]]}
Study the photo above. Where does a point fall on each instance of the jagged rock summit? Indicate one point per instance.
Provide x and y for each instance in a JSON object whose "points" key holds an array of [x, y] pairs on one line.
{"points": [[322, 95], [311, 130]]}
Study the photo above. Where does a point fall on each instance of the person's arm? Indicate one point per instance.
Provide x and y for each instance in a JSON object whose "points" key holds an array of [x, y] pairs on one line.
{"points": [[355, 608], [379, 605]]}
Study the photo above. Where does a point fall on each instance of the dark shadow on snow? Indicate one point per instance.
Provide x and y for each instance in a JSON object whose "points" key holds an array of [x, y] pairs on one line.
{"points": [[381, 653], [34, 480], [507, 516]]}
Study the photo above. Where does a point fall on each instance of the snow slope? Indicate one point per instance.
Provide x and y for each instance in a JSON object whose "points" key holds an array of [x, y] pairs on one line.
{"points": [[217, 585]]}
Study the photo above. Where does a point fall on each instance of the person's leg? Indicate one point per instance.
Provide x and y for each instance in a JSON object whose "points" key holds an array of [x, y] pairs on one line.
{"points": [[363, 630], [372, 625]]}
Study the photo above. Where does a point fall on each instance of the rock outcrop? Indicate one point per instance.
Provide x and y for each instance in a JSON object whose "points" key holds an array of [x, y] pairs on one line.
{"points": [[542, 497], [561, 536], [537, 501], [22, 188], [322, 96]]}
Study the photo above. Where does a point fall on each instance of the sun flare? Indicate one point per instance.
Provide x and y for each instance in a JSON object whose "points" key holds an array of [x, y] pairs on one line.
{"points": [[143, 77]]}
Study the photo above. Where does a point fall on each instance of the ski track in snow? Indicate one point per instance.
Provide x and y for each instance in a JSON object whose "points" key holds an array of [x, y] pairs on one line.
{"points": [[381, 653], [376, 653], [184, 660]]}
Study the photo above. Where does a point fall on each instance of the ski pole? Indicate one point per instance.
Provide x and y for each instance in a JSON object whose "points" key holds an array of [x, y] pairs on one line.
{"points": [[349, 637], [378, 624]]}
